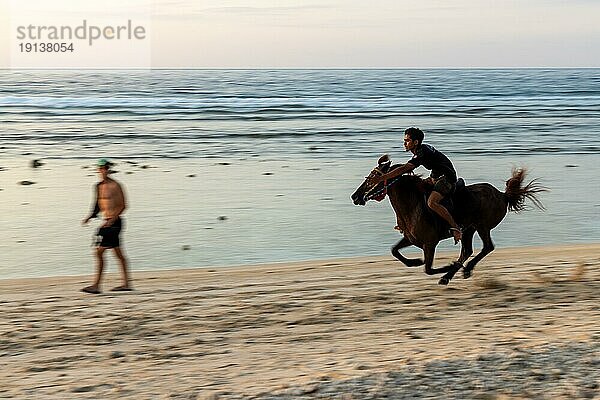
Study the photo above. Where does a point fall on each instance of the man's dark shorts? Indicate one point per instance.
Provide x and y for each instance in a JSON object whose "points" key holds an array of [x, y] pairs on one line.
{"points": [[443, 186], [109, 236]]}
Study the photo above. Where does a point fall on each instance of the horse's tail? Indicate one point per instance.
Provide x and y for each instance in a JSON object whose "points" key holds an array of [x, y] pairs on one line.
{"points": [[516, 193]]}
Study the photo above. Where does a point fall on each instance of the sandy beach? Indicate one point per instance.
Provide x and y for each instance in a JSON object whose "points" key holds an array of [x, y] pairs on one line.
{"points": [[527, 325]]}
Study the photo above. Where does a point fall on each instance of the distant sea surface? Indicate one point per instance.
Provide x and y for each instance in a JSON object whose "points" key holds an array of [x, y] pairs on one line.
{"points": [[278, 152], [291, 113]]}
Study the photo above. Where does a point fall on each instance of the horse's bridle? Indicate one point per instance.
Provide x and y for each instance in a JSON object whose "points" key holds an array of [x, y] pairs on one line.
{"points": [[381, 193]]}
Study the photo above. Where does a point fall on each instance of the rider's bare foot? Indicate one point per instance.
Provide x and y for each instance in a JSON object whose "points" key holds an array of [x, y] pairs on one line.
{"points": [[457, 233], [397, 228]]}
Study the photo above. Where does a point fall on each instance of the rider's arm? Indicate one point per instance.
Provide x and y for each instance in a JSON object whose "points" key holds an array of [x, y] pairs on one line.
{"points": [[397, 172]]}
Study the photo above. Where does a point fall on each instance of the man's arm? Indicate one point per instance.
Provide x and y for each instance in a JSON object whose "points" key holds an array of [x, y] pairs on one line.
{"points": [[96, 209], [396, 172], [121, 201]]}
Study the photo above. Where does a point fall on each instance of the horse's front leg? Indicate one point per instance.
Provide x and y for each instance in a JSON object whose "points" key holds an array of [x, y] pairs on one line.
{"points": [[465, 252], [409, 262], [452, 270], [429, 254], [429, 251]]}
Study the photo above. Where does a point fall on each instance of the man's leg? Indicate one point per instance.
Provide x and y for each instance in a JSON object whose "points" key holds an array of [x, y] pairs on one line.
{"points": [[124, 272], [434, 203], [95, 288]]}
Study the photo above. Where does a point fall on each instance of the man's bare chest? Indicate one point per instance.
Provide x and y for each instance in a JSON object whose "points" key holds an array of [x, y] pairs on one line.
{"points": [[107, 191]]}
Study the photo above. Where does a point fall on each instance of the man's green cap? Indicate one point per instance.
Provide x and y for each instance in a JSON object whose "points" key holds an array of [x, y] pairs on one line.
{"points": [[103, 162]]}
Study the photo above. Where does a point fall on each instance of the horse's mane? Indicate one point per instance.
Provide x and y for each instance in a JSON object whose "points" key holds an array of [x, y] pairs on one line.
{"points": [[410, 184], [409, 177]]}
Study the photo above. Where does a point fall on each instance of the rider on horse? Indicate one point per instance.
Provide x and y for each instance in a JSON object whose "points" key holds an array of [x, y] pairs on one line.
{"points": [[443, 175]]}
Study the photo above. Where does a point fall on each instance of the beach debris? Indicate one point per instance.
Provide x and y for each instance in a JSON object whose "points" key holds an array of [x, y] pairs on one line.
{"points": [[212, 396], [131, 162], [129, 172], [304, 389], [571, 166], [2, 168], [26, 183], [191, 176], [313, 148], [90, 388], [491, 283], [579, 272], [186, 247], [36, 164], [117, 354], [222, 218], [145, 166], [37, 369], [539, 277], [267, 173], [223, 163]]}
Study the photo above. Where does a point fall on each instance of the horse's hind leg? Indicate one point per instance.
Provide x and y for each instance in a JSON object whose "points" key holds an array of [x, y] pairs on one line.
{"points": [[465, 252], [466, 245], [488, 247], [409, 262]]}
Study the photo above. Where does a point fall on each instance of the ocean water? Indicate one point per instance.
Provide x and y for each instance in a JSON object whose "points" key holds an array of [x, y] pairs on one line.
{"points": [[277, 154]]}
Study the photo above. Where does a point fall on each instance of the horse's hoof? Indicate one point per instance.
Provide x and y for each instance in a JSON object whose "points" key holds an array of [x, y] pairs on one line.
{"points": [[467, 273], [443, 281]]}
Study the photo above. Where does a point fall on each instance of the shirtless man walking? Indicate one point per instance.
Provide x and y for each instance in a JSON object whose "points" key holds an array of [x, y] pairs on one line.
{"points": [[110, 201]]}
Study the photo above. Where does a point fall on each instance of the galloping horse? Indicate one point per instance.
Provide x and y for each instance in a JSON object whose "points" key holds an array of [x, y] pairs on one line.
{"points": [[476, 208]]}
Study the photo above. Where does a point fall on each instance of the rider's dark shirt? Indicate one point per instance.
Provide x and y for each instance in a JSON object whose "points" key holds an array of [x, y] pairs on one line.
{"points": [[435, 161]]}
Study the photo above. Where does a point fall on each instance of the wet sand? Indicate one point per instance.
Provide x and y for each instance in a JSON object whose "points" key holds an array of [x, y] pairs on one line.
{"points": [[344, 328]]}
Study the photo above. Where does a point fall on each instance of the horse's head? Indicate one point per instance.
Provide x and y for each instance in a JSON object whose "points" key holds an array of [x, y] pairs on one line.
{"points": [[369, 190]]}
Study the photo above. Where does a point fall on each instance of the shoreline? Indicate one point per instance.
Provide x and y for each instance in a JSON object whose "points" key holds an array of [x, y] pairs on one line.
{"points": [[443, 255], [525, 325]]}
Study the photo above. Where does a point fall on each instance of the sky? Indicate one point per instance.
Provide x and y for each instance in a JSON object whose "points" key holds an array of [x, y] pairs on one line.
{"points": [[336, 33]]}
